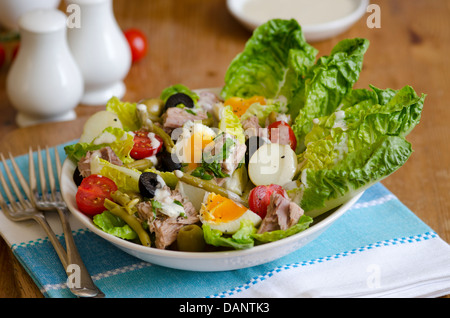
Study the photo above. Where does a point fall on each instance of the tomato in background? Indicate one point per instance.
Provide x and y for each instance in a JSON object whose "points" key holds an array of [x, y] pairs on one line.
{"points": [[144, 146], [138, 44], [280, 132], [92, 192], [2, 55], [259, 198]]}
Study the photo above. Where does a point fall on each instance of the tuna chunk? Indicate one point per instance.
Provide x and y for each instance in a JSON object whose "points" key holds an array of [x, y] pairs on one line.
{"points": [[207, 100], [166, 228], [281, 214], [175, 117], [234, 154], [252, 128], [106, 153]]}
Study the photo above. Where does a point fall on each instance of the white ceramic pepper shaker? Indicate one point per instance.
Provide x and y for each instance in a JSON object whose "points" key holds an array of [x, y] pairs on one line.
{"points": [[44, 82], [101, 51]]}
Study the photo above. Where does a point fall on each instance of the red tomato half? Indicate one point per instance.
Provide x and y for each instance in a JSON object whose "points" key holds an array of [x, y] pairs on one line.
{"points": [[259, 198], [2, 55], [280, 132], [144, 146], [92, 193], [138, 44]]}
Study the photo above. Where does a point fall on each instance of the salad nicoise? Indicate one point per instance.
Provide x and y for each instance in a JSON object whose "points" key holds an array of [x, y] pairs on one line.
{"points": [[286, 139]]}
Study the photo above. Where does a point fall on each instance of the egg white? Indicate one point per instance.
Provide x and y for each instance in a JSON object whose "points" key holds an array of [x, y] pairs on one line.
{"points": [[233, 226]]}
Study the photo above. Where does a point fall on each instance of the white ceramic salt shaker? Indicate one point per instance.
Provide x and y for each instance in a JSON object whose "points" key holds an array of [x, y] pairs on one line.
{"points": [[44, 82], [101, 51], [12, 10]]}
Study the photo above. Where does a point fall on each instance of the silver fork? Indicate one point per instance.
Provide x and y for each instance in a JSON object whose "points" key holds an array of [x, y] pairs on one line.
{"points": [[23, 210], [14, 212], [52, 200]]}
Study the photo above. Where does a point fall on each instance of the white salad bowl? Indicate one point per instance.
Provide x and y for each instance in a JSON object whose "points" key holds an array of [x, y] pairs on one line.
{"points": [[203, 261]]}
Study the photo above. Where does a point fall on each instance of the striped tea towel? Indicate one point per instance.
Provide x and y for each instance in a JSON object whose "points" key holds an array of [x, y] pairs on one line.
{"points": [[378, 248]]}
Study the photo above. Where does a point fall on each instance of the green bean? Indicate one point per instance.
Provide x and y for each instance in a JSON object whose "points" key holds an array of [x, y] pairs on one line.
{"points": [[168, 142], [131, 220], [210, 187], [140, 164], [208, 121]]}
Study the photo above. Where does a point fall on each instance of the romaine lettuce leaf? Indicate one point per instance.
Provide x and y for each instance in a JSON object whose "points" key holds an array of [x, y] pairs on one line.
{"points": [[356, 146], [240, 240], [263, 111], [231, 124], [327, 188], [127, 180], [117, 139], [302, 224], [126, 112], [77, 151], [326, 84], [178, 88], [272, 64], [114, 225]]}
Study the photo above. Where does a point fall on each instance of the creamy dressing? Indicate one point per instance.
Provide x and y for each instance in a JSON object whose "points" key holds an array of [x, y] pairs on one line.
{"points": [[104, 138], [306, 12], [168, 206]]}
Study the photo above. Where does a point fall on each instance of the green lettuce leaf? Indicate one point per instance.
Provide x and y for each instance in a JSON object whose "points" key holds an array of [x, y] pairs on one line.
{"points": [[302, 224], [126, 112], [178, 88], [273, 63], [77, 151], [231, 124], [114, 225], [356, 146], [326, 84], [327, 188], [120, 142], [263, 111], [127, 180], [240, 240]]}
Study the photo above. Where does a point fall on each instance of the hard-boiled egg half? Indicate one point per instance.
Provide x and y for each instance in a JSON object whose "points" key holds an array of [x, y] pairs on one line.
{"points": [[225, 215], [192, 141]]}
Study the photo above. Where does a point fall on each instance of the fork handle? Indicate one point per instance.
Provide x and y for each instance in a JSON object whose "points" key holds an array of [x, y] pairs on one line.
{"points": [[60, 251], [87, 287]]}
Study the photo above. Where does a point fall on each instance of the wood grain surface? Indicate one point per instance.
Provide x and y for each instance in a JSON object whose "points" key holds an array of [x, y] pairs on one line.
{"points": [[193, 41]]}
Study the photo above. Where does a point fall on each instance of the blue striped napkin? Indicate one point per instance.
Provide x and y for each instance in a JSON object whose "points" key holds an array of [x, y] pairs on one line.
{"points": [[379, 248]]}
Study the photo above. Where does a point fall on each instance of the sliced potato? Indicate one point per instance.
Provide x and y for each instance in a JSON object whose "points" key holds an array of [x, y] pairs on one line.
{"points": [[272, 164], [97, 123]]}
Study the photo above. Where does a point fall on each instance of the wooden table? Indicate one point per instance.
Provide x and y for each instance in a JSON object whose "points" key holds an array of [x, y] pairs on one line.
{"points": [[193, 41]]}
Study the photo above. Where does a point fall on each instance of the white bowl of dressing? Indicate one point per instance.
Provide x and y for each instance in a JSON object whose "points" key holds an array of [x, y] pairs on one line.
{"points": [[319, 19]]}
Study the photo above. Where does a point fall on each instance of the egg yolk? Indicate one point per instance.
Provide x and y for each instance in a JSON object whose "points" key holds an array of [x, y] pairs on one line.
{"points": [[194, 148], [240, 105], [219, 209]]}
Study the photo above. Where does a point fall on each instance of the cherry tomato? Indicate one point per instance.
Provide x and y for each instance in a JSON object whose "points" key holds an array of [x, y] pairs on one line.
{"points": [[138, 44], [92, 193], [280, 132], [144, 146], [15, 51], [2, 55], [259, 198]]}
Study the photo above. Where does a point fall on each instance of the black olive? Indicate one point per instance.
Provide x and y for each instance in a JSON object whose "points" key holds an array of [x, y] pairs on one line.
{"points": [[148, 184], [168, 162], [253, 143], [77, 177], [179, 98]]}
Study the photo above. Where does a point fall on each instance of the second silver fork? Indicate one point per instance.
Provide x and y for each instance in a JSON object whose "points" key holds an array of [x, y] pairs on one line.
{"points": [[52, 201]]}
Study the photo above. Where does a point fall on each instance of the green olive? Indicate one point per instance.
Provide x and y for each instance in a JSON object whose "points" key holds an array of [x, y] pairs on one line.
{"points": [[155, 106], [190, 239]]}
